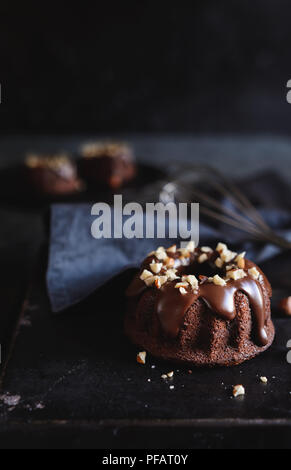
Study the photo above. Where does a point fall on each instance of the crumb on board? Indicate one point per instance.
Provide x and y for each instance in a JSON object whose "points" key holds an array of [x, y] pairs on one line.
{"points": [[238, 391], [141, 357], [10, 400]]}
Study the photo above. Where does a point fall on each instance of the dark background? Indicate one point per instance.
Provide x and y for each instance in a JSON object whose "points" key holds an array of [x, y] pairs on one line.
{"points": [[200, 66]]}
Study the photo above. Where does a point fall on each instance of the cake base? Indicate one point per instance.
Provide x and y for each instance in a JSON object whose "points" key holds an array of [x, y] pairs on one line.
{"points": [[205, 340]]}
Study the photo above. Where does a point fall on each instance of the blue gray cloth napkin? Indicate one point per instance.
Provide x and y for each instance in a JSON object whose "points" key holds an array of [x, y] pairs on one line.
{"points": [[79, 264]]}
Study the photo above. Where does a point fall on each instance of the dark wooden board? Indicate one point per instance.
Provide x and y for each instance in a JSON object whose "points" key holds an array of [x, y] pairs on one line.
{"points": [[80, 386]]}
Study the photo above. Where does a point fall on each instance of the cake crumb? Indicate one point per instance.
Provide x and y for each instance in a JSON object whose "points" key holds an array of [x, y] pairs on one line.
{"points": [[39, 406], [10, 400], [141, 357], [238, 391], [172, 387]]}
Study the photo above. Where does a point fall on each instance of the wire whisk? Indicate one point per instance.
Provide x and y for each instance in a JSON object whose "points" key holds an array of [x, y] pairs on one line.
{"points": [[220, 200]]}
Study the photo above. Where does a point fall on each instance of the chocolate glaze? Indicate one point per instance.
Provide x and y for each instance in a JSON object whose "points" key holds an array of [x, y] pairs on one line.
{"points": [[171, 306]]}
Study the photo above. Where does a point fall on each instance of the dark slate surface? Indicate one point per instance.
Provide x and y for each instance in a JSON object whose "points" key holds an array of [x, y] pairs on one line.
{"points": [[79, 368]]}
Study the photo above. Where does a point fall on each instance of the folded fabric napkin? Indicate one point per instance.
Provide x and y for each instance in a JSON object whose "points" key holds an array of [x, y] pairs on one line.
{"points": [[79, 264]]}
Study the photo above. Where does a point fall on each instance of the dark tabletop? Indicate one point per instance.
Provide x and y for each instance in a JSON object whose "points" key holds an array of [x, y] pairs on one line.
{"points": [[75, 375]]}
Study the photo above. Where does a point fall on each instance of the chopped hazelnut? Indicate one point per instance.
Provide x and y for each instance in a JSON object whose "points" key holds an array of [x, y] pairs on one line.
{"points": [[163, 280], [254, 273], [184, 252], [236, 274], [221, 247], [218, 281], [172, 249], [219, 263], [164, 376], [145, 275], [227, 256], [141, 357], [202, 258], [191, 247], [156, 267], [264, 380], [184, 261], [240, 260], [183, 291], [170, 375], [169, 262], [238, 391], [206, 249], [171, 274], [181, 284], [150, 280], [161, 255], [192, 280], [158, 283]]}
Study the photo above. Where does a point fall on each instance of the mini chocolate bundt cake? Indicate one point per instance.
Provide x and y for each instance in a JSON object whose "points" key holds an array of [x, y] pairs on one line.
{"points": [[200, 306], [52, 175], [108, 164]]}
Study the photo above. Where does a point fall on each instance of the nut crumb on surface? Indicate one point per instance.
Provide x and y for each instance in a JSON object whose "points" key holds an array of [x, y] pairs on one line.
{"points": [[238, 391], [141, 357], [170, 374], [39, 406], [264, 380], [10, 400]]}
